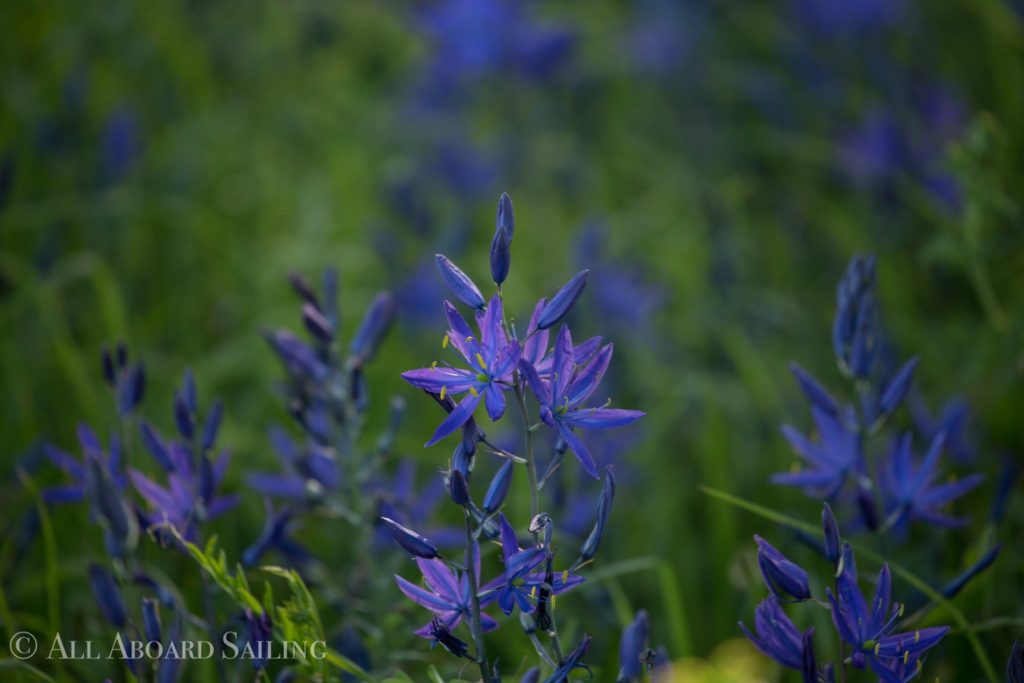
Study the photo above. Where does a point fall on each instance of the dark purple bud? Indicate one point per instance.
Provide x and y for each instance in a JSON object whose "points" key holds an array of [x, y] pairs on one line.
{"points": [[498, 489], [1007, 477], [138, 385], [410, 540], [560, 304], [897, 389], [109, 374], [303, 288], [121, 355], [783, 577], [604, 508], [330, 286], [298, 358], [151, 619], [183, 416], [108, 595], [531, 676], [464, 289], [207, 480], [461, 461], [815, 393], [832, 543], [1015, 665], [458, 488], [441, 635], [212, 426], [152, 442], [108, 503], [631, 648], [190, 393], [868, 509], [847, 563], [983, 563], [374, 326], [808, 665], [506, 217], [501, 256], [316, 323]]}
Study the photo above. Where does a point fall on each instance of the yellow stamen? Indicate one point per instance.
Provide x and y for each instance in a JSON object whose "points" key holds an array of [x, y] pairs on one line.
{"points": [[917, 637], [878, 646], [433, 366], [533, 592], [444, 342], [906, 656], [565, 576], [444, 390], [553, 597], [480, 360], [472, 390], [469, 338]]}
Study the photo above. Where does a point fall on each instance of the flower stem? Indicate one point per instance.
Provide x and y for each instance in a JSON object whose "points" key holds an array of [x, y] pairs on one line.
{"points": [[475, 623], [531, 461]]}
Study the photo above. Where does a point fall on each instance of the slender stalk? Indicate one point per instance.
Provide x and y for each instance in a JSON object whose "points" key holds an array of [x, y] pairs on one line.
{"points": [[531, 461], [476, 625]]}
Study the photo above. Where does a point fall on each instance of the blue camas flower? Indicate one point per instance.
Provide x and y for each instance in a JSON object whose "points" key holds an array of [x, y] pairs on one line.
{"points": [[910, 491], [190, 497], [776, 636], [870, 630], [447, 594], [519, 586], [561, 399], [835, 456], [491, 358]]}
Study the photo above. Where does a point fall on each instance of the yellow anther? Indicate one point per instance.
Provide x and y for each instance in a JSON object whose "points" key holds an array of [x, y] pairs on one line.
{"points": [[433, 366], [472, 390], [553, 597], [917, 637], [533, 592], [565, 576], [906, 656], [901, 610], [444, 342], [469, 338], [444, 390], [878, 646], [480, 360]]}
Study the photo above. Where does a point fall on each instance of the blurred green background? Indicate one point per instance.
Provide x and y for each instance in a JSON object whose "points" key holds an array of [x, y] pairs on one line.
{"points": [[164, 166]]}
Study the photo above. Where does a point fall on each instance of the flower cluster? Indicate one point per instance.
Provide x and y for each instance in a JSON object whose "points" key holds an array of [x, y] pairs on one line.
{"points": [[890, 490], [493, 364], [869, 631]]}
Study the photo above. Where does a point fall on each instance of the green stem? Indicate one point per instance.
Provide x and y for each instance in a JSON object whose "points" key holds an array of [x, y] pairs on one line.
{"points": [[531, 461], [476, 625]]}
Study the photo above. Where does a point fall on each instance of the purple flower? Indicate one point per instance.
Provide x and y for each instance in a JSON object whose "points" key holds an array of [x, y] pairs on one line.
{"points": [[571, 662], [870, 630], [832, 458], [92, 450], [447, 594], [632, 647], [491, 359], [519, 586], [777, 638], [910, 492], [310, 470], [570, 386], [189, 497]]}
